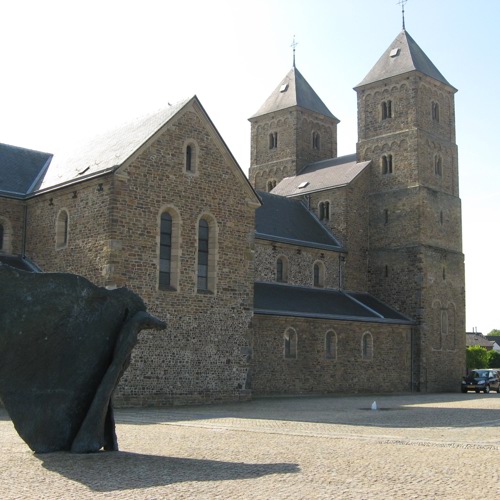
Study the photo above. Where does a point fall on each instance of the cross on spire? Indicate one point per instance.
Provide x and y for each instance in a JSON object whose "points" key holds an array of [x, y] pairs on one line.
{"points": [[403, 3], [294, 44]]}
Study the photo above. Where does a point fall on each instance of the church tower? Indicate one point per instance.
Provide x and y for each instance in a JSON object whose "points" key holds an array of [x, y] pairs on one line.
{"points": [[291, 129], [406, 127]]}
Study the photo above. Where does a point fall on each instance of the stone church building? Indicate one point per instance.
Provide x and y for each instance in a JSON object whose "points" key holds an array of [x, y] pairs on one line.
{"points": [[317, 274]]}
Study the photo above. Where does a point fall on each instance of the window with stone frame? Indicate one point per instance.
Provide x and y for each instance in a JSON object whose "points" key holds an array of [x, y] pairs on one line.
{"points": [[206, 253], [387, 166], [273, 140], [271, 184], [316, 140], [331, 345], [435, 111], [168, 275], [386, 109], [290, 343], [438, 166], [282, 269], [324, 210], [367, 346], [190, 157], [62, 229], [319, 274]]}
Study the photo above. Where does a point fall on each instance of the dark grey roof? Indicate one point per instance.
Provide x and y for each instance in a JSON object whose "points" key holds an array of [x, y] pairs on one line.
{"points": [[287, 300], [494, 338], [403, 56], [107, 151], [293, 91], [20, 169], [19, 263], [325, 174], [479, 340], [288, 221]]}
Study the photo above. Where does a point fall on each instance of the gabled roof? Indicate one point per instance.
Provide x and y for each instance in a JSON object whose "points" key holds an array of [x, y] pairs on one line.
{"points": [[298, 301], [321, 175], [107, 151], [293, 91], [288, 221], [472, 339], [20, 169], [403, 56]]}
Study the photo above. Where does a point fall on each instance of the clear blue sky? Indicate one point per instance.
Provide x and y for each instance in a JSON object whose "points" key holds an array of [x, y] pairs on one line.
{"points": [[71, 69]]}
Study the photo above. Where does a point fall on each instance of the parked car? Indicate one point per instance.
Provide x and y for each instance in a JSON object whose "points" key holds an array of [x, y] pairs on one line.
{"points": [[484, 380]]}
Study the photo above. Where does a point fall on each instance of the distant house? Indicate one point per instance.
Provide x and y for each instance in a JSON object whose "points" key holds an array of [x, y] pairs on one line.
{"points": [[496, 340], [473, 339]]}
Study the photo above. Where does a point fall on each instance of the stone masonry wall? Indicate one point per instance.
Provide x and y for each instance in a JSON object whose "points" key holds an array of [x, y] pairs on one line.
{"points": [[12, 220], [389, 370]]}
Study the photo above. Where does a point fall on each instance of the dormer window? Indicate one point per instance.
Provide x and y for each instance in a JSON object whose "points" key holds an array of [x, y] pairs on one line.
{"points": [[386, 110], [273, 140]]}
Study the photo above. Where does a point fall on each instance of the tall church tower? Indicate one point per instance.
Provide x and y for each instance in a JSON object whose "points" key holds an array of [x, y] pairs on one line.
{"points": [[291, 129], [406, 127]]}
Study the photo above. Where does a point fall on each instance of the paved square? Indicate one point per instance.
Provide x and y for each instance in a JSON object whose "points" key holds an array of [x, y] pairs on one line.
{"points": [[444, 446]]}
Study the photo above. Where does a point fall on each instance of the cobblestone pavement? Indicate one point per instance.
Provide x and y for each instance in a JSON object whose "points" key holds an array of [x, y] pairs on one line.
{"points": [[444, 446]]}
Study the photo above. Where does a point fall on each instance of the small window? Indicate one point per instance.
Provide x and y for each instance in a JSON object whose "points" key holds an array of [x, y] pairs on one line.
{"points": [[273, 140], [281, 270], [438, 166], [386, 110], [190, 158], [324, 210], [441, 218], [367, 346], [290, 341], [62, 228], [386, 271], [271, 184], [319, 274], [386, 216], [316, 140], [435, 111], [387, 164], [331, 345]]}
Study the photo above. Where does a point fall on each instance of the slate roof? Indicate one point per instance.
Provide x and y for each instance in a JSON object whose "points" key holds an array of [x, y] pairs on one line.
{"points": [[293, 91], [298, 301], [19, 262], [472, 339], [288, 221], [107, 151], [325, 174], [20, 169], [409, 57]]}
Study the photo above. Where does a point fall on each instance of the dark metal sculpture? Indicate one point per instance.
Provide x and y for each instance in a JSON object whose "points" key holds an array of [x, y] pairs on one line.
{"points": [[64, 344]]}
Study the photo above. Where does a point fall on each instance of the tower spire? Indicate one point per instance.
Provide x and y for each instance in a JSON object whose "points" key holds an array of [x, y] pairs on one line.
{"points": [[403, 3], [294, 44]]}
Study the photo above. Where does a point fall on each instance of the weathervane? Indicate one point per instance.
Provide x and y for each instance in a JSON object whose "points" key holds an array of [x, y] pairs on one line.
{"points": [[294, 44], [403, 3]]}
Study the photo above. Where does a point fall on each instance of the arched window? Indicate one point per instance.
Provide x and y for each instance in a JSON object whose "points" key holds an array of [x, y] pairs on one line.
{"points": [[207, 247], [190, 157], [438, 166], [367, 346], [435, 111], [331, 345], [281, 270], [319, 274], [62, 229], [290, 343], [168, 276], [387, 164], [271, 184], [324, 210], [386, 110], [316, 144], [273, 140]]}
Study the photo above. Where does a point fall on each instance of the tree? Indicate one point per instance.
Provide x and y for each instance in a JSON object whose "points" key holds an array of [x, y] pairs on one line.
{"points": [[494, 332], [476, 357], [493, 359]]}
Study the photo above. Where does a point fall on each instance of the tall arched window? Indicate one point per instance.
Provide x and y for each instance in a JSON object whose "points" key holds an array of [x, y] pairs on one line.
{"points": [[387, 164], [281, 270], [367, 346], [190, 157], [169, 250], [331, 345], [290, 341], [316, 140], [207, 248], [273, 140], [319, 274], [324, 210], [386, 110], [435, 111], [438, 166], [271, 184], [62, 229]]}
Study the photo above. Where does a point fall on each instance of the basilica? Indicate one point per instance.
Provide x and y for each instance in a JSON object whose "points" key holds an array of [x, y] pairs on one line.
{"points": [[316, 274]]}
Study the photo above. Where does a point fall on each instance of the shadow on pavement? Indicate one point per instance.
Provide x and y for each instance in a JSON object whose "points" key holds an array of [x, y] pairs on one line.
{"points": [[112, 471]]}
